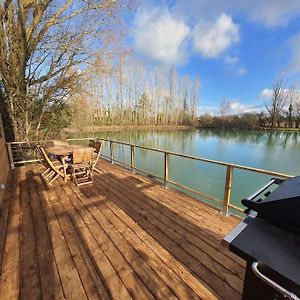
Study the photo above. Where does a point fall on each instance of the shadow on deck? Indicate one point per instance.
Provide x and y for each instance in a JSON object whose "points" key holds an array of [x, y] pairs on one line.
{"points": [[122, 237]]}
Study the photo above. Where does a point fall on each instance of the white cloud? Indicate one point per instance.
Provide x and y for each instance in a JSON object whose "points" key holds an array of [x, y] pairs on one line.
{"points": [[231, 60], [271, 13], [166, 35], [235, 107], [241, 70], [160, 36], [295, 58], [233, 64], [212, 110], [212, 39], [266, 94]]}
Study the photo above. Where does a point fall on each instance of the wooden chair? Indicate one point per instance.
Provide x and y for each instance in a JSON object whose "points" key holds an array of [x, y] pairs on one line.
{"points": [[54, 168], [92, 143], [98, 148], [60, 143], [82, 170], [44, 163]]}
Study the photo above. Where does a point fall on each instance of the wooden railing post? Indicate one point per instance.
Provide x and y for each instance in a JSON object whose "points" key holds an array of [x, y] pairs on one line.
{"points": [[10, 155], [227, 191], [111, 151], [166, 168], [132, 161]]}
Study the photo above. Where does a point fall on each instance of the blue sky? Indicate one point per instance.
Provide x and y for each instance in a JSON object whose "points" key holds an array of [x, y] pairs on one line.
{"points": [[235, 47]]}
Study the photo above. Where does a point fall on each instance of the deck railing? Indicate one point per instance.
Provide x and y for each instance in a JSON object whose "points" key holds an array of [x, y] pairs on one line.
{"points": [[225, 202], [21, 153]]}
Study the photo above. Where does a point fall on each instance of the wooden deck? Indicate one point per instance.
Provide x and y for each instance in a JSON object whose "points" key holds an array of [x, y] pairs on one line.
{"points": [[122, 237]]}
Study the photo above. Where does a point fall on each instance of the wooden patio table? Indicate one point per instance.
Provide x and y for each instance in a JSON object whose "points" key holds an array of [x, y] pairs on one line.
{"points": [[62, 152]]}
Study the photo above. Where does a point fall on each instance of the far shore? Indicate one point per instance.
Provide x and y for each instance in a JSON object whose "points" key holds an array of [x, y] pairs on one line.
{"points": [[251, 129], [165, 127], [125, 127]]}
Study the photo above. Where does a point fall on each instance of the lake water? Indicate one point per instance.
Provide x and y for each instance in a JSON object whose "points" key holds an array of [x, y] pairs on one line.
{"points": [[275, 151]]}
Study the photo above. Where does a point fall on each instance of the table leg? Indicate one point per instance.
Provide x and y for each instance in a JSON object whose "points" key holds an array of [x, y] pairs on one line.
{"points": [[65, 169]]}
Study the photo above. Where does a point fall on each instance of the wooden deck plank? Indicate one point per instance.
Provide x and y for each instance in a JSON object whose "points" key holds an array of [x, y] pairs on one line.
{"points": [[124, 237], [68, 273], [5, 211], [169, 239], [112, 281], [205, 293], [172, 265], [91, 281], [50, 281], [186, 229], [206, 217], [186, 206], [10, 269], [131, 280], [188, 243], [30, 286], [180, 270], [148, 275], [179, 287]]}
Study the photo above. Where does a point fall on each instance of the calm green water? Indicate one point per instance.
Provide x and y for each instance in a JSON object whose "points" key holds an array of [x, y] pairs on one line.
{"points": [[276, 151]]}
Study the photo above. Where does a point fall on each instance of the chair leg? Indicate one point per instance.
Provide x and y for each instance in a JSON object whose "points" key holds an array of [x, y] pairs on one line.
{"points": [[54, 178], [50, 178], [50, 174], [97, 170], [46, 171], [73, 176], [83, 176]]}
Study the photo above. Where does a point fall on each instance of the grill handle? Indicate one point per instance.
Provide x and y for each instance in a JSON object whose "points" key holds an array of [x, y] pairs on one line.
{"points": [[248, 202], [272, 283], [262, 189]]}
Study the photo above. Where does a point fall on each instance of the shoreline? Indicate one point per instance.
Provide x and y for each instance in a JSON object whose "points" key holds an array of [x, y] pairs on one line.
{"points": [[166, 127], [251, 129], [125, 127]]}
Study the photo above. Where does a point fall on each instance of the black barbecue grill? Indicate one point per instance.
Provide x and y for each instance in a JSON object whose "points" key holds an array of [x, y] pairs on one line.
{"points": [[269, 240], [280, 207]]}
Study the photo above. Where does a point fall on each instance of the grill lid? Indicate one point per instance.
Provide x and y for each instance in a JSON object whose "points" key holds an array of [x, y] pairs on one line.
{"points": [[282, 206]]}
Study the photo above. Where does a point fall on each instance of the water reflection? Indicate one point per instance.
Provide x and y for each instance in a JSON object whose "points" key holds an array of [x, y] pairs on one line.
{"points": [[181, 140], [268, 138]]}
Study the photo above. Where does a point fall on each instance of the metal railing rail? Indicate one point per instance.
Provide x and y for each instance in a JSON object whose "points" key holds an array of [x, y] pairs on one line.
{"points": [[225, 202]]}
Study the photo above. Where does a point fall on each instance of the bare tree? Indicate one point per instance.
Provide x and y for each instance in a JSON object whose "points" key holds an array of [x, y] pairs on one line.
{"points": [[296, 106], [279, 100], [44, 48], [137, 94], [224, 107], [292, 100]]}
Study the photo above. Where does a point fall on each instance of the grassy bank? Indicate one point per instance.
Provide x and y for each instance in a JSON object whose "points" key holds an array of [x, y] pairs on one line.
{"points": [[254, 128], [118, 128], [280, 129]]}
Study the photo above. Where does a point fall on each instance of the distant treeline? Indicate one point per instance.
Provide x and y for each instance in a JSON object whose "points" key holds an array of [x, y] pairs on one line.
{"points": [[244, 121], [282, 110], [248, 121]]}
